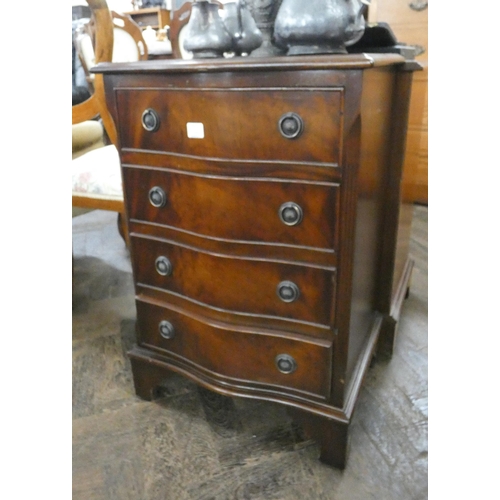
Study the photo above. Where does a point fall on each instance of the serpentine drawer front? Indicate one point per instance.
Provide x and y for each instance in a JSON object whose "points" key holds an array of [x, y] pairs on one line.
{"points": [[265, 124], [287, 364], [251, 286], [232, 208], [262, 199]]}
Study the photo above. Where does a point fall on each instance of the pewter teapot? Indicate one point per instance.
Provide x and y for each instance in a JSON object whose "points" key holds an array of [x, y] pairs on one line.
{"points": [[210, 34], [206, 34], [319, 26], [242, 27]]}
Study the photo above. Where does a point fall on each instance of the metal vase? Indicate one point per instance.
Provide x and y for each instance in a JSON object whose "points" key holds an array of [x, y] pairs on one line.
{"points": [[319, 26], [206, 34], [241, 26], [264, 12]]}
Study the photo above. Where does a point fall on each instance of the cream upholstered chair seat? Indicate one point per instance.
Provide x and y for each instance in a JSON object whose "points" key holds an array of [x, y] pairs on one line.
{"points": [[95, 167], [97, 174]]}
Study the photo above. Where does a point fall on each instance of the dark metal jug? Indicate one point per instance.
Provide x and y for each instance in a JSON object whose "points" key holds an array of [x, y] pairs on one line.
{"points": [[264, 12], [206, 34], [241, 26], [319, 26]]}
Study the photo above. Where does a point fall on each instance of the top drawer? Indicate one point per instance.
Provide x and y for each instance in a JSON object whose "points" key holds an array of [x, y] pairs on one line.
{"points": [[289, 125]]}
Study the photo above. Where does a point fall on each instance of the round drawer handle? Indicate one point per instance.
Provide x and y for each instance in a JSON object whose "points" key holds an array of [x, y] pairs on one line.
{"points": [[288, 291], [285, 363], [163, 266], [157, 197], [166, 329], [291, 125], [150, 120], [290, 213]]}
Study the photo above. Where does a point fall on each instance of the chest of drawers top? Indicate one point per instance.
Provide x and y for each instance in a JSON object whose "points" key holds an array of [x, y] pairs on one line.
{"points": [[243, 109]]}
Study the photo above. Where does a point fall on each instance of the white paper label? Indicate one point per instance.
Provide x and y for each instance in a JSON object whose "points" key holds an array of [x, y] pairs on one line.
{"points": [[195, 130]]}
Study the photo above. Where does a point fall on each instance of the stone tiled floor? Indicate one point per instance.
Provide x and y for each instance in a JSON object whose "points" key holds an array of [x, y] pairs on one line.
{"points": [[191, 444]]}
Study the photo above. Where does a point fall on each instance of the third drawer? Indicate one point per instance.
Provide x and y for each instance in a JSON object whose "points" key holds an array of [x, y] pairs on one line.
{"points": [[251, 287]]}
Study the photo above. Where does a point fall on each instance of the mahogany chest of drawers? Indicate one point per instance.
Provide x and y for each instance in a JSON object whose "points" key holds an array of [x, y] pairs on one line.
{"points": [[268, 241]]}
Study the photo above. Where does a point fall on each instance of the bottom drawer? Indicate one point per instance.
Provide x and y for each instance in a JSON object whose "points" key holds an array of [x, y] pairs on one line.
{"points": [[241, 356]]}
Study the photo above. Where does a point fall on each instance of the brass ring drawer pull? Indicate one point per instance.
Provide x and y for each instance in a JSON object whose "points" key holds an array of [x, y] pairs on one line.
{"points": [[288, 291], [291, 125], [285, 363], [163, 266], [157, 197], [290, 213], [150, 120], [166, 329]]}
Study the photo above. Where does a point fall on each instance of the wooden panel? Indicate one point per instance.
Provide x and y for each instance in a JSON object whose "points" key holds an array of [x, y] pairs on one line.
{"points": [[411, 27], [241, 209], [215, 348], [415, 179], [235, 284], [402, 246], [238, 124], [377, 102]]}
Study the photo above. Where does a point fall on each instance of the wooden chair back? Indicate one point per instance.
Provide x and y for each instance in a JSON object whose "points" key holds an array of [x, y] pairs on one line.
{"points": [[103, 48]]}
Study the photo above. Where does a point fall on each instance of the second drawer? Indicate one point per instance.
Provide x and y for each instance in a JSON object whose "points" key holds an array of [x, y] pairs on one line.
{"points": [[246, 209]]}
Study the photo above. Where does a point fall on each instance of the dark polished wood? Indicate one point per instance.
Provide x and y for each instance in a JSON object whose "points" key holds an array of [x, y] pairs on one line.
{"points": [[244, 286], [211, 349], [235, 118], [253, 202], [250, 303], [325, 431]]}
